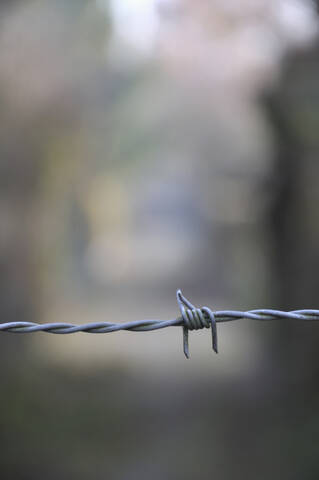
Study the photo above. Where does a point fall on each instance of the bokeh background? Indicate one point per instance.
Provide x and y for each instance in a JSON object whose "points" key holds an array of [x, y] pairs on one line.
{"points": [[145, 146]]}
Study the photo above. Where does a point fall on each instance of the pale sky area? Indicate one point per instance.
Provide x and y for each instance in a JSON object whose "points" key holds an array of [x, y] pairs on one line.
{"points": [[255, 34]]}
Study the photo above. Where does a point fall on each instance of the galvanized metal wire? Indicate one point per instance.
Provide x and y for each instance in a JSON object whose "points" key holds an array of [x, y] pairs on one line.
{"points": [[191, 318]]}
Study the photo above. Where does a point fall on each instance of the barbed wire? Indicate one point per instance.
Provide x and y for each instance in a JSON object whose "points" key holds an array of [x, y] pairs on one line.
{"points": [[191, 318]]}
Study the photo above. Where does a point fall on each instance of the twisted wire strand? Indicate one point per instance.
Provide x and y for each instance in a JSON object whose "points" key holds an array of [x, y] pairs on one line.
{"points": [[221, 316], [191, 318]]}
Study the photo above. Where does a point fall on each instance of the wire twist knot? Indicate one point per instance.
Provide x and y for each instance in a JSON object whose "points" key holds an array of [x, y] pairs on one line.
{"points": [[195, 319]]}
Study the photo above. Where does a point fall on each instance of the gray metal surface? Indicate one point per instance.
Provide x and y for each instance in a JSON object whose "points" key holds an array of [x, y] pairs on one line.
{"points": [[191, 318]]}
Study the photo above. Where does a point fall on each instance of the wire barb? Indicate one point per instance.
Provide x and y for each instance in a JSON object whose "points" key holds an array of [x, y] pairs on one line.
{"points": [[191, 318], [194, 319]]}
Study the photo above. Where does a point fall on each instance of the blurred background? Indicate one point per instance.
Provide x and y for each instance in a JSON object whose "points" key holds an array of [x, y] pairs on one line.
{"points": [[145, 146]]}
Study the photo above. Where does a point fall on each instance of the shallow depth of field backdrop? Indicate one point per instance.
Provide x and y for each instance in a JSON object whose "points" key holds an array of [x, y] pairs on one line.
{"points": [[147, 146]]}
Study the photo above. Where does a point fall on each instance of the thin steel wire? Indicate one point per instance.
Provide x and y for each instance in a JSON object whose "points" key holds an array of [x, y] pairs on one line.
{"points": [[191, 318]]}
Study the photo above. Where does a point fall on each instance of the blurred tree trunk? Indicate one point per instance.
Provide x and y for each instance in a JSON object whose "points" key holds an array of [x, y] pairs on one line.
{"points": [[18, 185], [293, 111]]}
